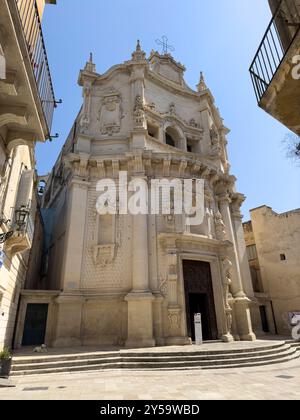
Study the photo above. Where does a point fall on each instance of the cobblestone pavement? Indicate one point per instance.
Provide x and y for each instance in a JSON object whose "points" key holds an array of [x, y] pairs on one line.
{"points": [[268, 383]]}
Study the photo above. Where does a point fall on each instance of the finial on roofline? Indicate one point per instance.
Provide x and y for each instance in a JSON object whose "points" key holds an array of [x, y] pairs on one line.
{"points": [[202, 85], [138, 54], [90, 66]]}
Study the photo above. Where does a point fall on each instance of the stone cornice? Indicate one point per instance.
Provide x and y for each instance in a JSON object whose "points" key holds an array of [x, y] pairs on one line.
{"points": [[127, 68], [160, 164], [175, 242]]}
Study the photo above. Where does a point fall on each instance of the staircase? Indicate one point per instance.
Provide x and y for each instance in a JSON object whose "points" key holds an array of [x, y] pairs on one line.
{"points": [[158, 359]]}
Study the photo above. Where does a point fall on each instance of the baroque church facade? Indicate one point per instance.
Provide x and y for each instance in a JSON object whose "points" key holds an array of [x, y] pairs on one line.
{"points": [[137, 281]]}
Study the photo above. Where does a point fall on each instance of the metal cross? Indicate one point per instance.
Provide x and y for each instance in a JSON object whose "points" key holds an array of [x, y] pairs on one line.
{"points": [[165, 45]]}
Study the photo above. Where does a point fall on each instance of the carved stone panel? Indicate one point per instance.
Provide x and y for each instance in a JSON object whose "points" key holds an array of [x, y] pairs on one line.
{"points": [[110, 114]]}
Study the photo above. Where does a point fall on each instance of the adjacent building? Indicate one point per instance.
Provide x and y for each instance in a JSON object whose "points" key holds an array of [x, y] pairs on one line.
{"points": [[27, 103], [138, 280], [273, 248], [275, 70]]}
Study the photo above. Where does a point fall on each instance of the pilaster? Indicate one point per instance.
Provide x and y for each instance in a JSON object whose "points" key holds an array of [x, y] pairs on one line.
{"points": [[140, 299], [75, 230]]}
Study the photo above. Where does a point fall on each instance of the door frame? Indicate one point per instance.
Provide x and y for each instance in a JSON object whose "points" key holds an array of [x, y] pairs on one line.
{"points": [[36, 297], [217, 286], [46, 305]]}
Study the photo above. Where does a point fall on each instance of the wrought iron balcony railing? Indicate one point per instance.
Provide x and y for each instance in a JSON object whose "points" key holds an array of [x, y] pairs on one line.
{"points": [[31, 23], [279, 36]]}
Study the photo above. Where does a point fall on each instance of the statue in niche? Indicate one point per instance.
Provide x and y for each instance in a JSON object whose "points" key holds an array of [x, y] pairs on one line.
{"points": [[215, 141], [227, 282], [172, 109], [110, 114]]}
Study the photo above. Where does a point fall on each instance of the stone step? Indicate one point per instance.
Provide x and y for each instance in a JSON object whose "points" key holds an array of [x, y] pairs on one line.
{"points": [[146, 358], [289, 358], [288, 355], [128, 353]]}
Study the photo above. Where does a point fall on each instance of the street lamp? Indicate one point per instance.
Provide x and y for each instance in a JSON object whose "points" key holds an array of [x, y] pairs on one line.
{"points": [[21, 217]]}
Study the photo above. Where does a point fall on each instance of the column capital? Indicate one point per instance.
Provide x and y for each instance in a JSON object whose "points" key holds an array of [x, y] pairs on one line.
{"points": [[224, 198], [78, 182], [20, 138]]}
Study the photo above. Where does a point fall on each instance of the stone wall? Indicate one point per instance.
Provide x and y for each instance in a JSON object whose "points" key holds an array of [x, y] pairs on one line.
{"points": [[277, 240]]}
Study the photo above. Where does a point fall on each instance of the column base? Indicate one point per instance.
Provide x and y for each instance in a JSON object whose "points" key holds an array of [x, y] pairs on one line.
{"points": [[140, 343], [227, 338], [243, 319], [140, 320], [178, 341], [248, 337]]}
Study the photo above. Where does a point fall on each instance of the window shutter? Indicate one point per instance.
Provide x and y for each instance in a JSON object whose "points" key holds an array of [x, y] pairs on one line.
{"points": [[25, 189]]}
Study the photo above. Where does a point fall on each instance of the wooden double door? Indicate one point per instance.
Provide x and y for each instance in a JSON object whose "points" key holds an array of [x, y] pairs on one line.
{"points": [[199, 297]]}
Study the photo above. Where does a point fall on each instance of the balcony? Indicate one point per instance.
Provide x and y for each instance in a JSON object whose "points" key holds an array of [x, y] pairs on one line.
{"points": [[28, 12], [276, 87], [27, 95], [21, 237]]}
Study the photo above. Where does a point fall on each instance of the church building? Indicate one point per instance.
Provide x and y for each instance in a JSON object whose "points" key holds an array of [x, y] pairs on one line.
{"points": [[138, 280]]}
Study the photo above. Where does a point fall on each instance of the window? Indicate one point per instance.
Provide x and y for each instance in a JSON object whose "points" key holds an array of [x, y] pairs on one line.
{"points": [[252, 252], [190, 147], [152, 131], [256, 280], [169, 140], [282, 257]]}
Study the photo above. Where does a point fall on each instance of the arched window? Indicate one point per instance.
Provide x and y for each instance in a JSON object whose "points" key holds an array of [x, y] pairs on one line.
{"points": [[169, 140], [173, 137]]}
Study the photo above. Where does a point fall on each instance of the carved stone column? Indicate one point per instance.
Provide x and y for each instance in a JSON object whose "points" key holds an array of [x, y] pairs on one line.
{"points": [[242, 303], [175, 311], [224, 206], [237, 200]]}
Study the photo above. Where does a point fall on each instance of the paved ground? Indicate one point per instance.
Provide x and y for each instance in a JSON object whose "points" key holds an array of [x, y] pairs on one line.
{"points": [[270, 382]]}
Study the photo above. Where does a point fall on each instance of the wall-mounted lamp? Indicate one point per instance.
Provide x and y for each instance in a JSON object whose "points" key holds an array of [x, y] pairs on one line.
{"points": [[21, 217]]}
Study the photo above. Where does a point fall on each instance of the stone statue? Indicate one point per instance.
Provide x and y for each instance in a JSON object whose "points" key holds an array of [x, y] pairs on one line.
{"points": [[139, 112], [227, 282], [220, 227]]}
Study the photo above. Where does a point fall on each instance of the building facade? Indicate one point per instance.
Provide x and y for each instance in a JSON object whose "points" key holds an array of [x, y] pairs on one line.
{"points": [[137, 280], [273, 248], [26, 108]]}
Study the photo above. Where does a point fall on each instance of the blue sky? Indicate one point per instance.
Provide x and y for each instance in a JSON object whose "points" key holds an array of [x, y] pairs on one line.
{"points": [[218, 37]]}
